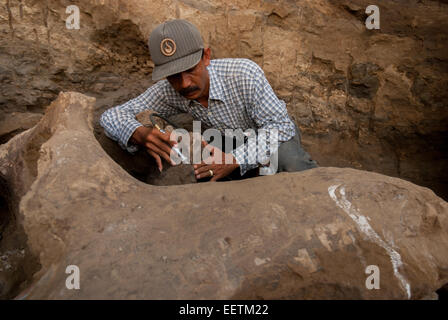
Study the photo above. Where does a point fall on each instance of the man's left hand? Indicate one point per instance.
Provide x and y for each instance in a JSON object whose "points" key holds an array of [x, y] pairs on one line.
{"points": [[217, 166]]}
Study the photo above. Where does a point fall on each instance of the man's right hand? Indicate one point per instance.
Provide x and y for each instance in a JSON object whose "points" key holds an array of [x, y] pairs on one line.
{"points": [[157, 144]]}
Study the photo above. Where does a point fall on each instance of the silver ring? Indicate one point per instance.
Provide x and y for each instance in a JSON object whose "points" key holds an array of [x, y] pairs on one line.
{"points": [[211, 173]]}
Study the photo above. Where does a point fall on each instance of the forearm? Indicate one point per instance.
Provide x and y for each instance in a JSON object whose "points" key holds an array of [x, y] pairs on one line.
{"points": [[120, 125]]}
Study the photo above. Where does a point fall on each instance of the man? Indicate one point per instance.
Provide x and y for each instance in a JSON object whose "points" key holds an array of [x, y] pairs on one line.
{"points": [[223, 94]]}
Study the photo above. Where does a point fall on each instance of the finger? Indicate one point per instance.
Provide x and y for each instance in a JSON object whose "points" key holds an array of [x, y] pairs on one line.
{"points": [[160, 152], [204, 173], [157, 158], [203, 169], [165, 137], [161, 144], [215, 178], [200, 165]]}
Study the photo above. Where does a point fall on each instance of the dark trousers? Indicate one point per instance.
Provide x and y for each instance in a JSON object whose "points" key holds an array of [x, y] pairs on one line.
{"points": [[292, 157]]}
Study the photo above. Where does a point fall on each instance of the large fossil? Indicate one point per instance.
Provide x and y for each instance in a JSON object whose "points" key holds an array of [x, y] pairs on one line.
{"points": [[303, 235]]}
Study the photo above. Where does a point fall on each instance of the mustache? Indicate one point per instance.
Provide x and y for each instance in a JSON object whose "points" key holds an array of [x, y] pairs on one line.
{"points": [[188, 90]]}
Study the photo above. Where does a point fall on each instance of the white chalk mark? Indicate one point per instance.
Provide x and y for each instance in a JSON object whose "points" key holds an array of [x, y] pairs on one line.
{"points": [[365, 228], [259, 261], [304, 259]]}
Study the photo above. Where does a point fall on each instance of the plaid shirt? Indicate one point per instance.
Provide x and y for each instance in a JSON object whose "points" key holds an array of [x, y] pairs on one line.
{"points": [[240, 97]]}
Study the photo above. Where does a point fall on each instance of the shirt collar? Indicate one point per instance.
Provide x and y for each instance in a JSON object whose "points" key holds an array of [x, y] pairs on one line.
{"points": [[216, 91]]}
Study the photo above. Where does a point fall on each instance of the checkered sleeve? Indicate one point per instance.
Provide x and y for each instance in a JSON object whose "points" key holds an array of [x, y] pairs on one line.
{"points": [[271, 118], [119, 123]]}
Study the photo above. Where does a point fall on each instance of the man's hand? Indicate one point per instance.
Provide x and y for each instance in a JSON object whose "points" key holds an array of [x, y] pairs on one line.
{"points": [[222, 164], [157, 144]]}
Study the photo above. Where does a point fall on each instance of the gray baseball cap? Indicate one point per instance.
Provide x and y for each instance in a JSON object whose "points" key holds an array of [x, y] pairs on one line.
{"points": [[175, 46]]}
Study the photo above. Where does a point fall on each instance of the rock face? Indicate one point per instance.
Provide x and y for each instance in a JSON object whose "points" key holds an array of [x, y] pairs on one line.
{"points": [[367, 99], [304, 235], [16, 122]]}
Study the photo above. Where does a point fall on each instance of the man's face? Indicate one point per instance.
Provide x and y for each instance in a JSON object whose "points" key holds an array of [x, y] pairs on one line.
{"points": [[194, 83]]}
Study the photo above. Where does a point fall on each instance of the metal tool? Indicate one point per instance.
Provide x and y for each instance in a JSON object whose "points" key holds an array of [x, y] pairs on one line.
{"points": [[179, 154]]}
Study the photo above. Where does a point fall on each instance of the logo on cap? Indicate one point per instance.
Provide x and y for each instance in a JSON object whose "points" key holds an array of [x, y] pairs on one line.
{"points": [[168, 47]]}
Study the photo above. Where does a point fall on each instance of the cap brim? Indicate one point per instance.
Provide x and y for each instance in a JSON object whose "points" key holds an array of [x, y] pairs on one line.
{"points": [[176, 66]]}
